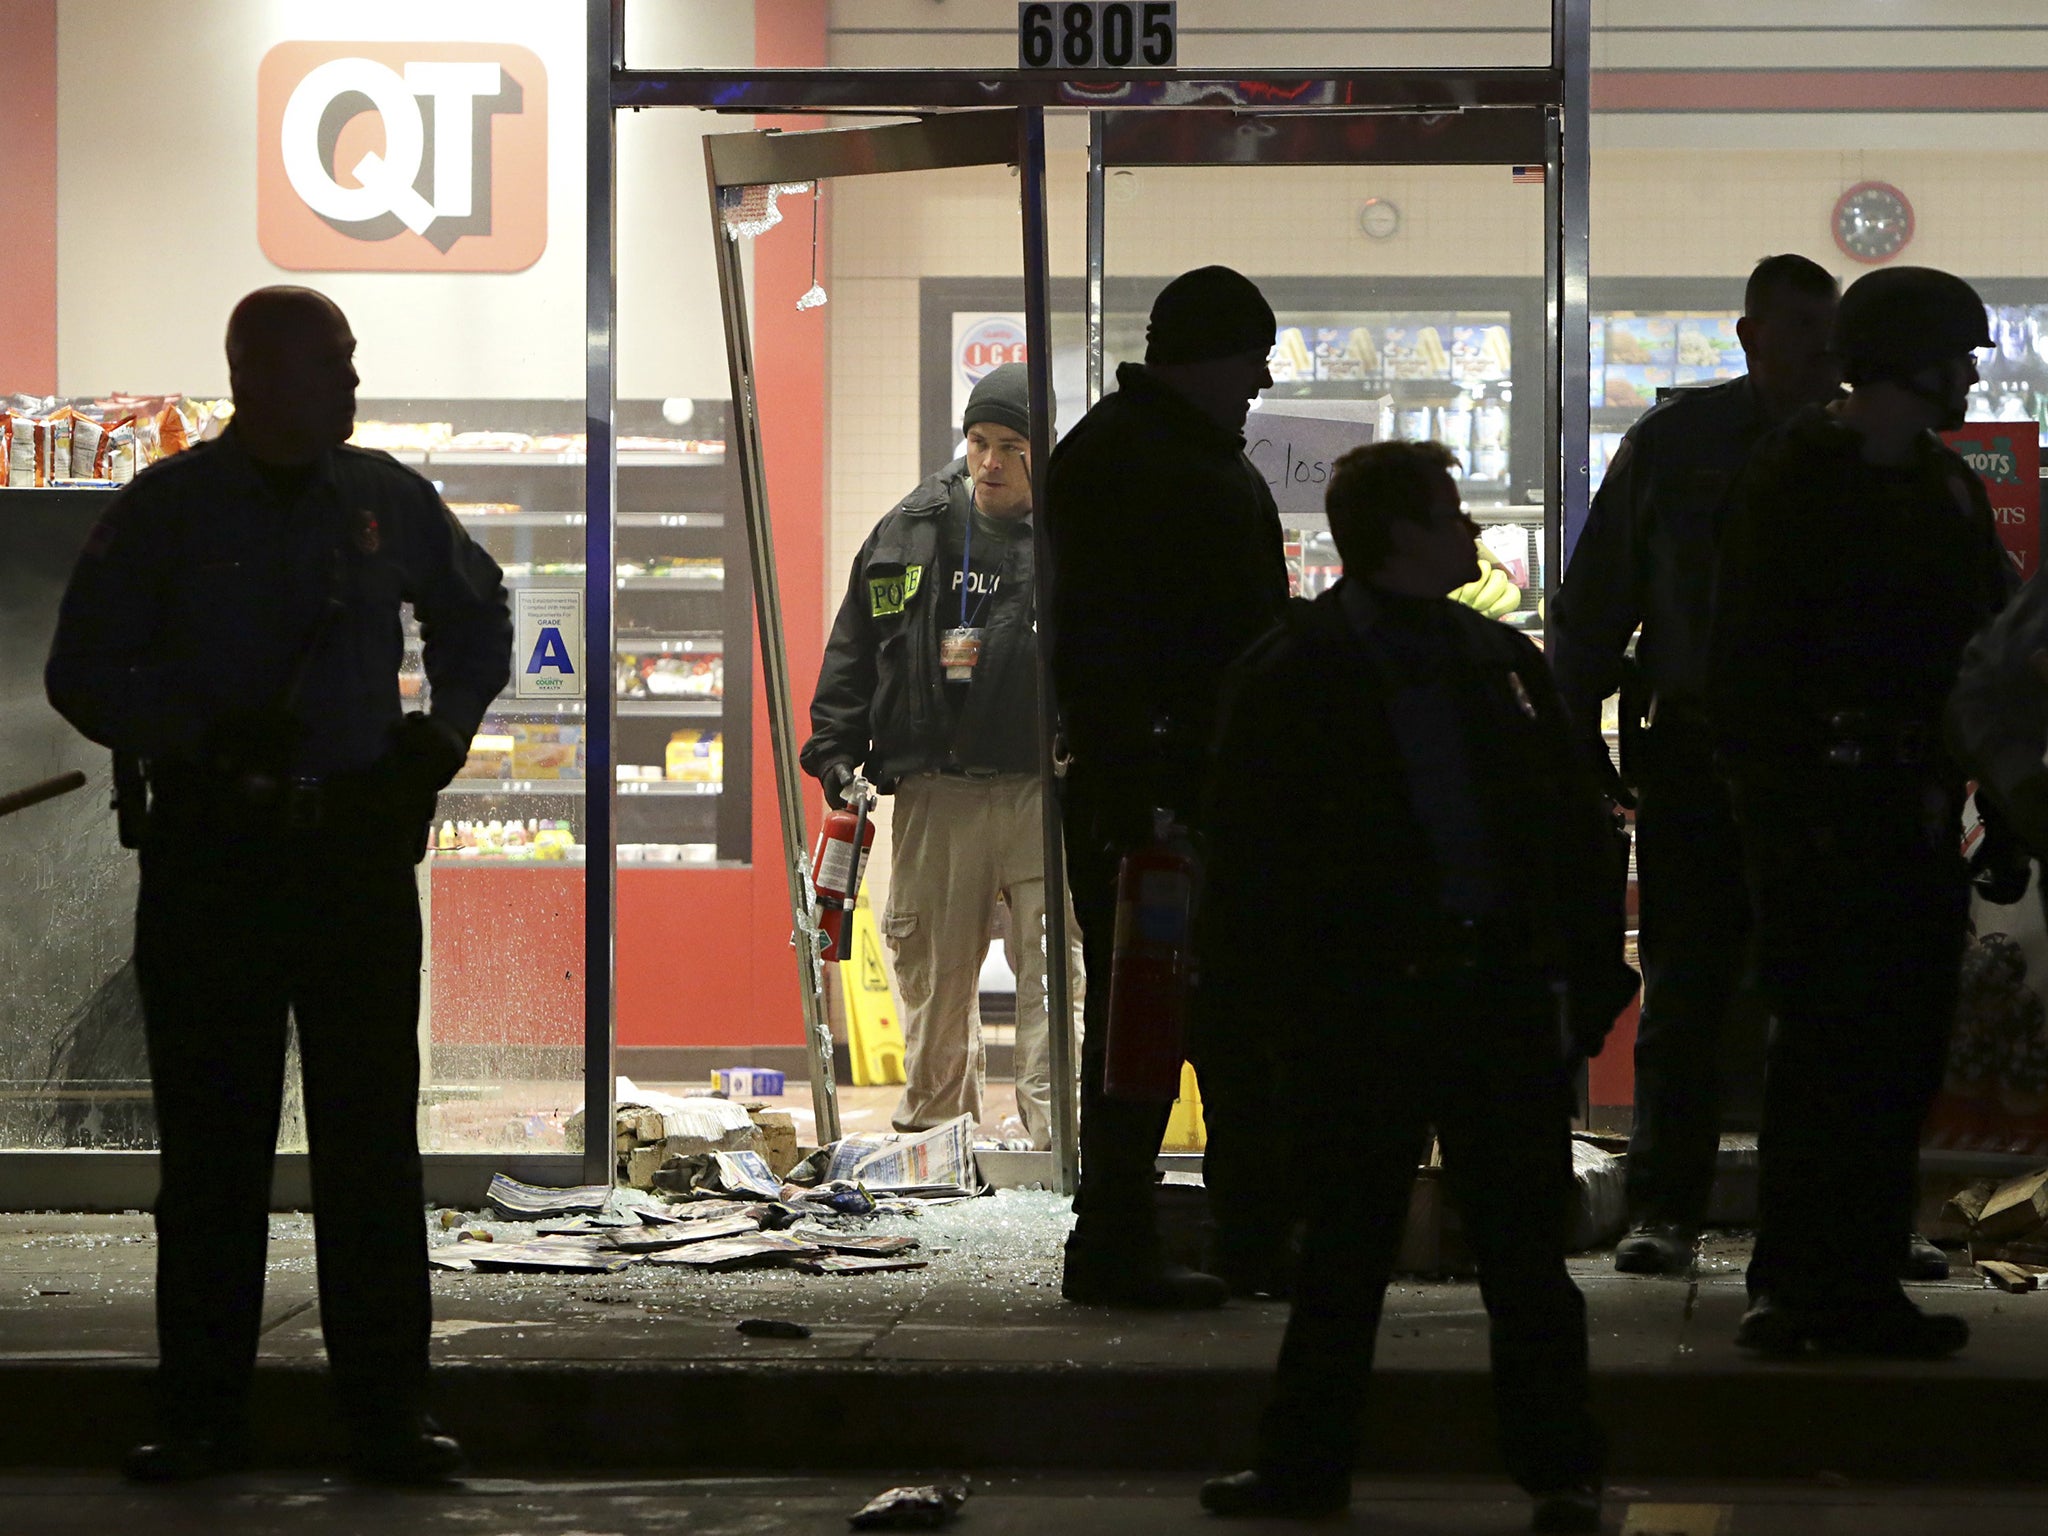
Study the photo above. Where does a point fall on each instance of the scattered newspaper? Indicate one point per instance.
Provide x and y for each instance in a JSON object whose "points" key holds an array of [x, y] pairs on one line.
{"points": [[938, 1163], [534, 1202]]}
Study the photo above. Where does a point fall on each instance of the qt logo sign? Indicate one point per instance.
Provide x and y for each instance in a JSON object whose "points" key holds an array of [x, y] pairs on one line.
{"points": [[401, 157]]}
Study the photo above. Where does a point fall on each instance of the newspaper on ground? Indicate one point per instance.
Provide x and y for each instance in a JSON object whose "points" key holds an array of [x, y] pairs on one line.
{"points": [[548, 1255], [536, 1202], [937, 1164], [661, 1239], [856, 1264], [740, 1252], [879, 1246]]}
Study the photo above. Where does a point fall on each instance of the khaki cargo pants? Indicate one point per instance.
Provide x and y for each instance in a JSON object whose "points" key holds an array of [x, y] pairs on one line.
{"points": [[959, 843]]}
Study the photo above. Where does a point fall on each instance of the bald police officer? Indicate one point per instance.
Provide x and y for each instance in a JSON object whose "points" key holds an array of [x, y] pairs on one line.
{"points": [[1647, 558], [233, 627]]}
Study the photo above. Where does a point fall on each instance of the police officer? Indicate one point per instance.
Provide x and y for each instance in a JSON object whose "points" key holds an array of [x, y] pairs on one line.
{"points": [[234, 625], [1412, 867], [1647, 557], [1167, 564], [929, 685], [1858, 560]]}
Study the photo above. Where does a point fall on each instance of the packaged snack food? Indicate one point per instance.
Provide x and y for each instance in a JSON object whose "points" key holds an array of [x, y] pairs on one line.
{"points": [[547, 751], [696, 757], [170, 432], [94, 447]]}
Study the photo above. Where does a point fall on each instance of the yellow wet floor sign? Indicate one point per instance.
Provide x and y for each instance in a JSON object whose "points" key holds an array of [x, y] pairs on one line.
{"points": [[1676, 1520], [874, 1036], [1186, 1131]]}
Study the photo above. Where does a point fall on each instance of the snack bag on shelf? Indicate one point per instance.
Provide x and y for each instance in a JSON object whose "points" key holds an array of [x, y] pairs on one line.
{"points": [[696, 757], [547, 751], [171, 436], [490, 757]]}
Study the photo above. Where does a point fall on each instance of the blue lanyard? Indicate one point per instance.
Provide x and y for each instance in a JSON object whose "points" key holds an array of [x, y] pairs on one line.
{"points": [[967, 565]]}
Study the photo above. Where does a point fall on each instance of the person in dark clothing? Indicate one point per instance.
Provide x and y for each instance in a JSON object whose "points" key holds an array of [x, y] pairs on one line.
{"points": [[1413, 868], [1646, 558], [1859, 558], [233, 633], [1167, 563], [929, 685]]}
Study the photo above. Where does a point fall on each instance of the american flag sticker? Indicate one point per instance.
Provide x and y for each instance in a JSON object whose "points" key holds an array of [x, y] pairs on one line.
{"points": [[1526, 175]]}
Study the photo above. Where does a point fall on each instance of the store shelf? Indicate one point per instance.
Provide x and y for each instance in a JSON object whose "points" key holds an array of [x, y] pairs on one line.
{"points": [[521, 519], [696, 708], [702, 642], [500, 788], [694, 581], [494, 788], [705, 520], [504, 459]]}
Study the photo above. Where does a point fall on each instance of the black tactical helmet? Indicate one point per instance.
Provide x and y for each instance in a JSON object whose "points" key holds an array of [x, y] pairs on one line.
{"points": [[1894, 322]]}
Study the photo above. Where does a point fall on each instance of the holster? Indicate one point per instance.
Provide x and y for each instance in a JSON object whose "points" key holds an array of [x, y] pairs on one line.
{"points": [[131, 800]]}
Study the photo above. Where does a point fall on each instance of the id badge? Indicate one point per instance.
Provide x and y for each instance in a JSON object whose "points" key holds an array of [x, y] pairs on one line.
{"points": [[960, 653]]}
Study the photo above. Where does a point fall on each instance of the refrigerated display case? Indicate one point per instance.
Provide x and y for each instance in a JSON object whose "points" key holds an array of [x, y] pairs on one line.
{"points": [[1416, 357], [520, 798]]}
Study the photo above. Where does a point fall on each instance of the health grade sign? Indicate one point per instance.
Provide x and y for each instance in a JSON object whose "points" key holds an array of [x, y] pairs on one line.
{"points": [[2007, 457], [401, 157]]}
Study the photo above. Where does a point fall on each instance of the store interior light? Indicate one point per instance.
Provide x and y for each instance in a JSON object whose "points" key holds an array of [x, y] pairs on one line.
{"points": [[677, 409]]}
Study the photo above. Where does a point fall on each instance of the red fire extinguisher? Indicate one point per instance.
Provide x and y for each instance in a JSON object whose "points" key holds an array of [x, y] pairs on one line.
{"points": [[1151, 967], [836, 869]]}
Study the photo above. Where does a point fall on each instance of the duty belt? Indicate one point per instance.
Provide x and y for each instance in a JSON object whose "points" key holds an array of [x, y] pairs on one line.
{"points": [[1859, 738]]}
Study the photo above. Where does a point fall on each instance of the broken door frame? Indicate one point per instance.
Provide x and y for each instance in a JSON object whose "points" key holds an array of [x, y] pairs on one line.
{"points": [[1412, 105]]}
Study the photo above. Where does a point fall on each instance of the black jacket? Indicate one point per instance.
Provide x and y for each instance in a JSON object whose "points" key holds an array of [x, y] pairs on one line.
{"points": [[1167, 563], [1321, 884], [1844, 591], [1648, 550], [881, 701], [200, 588]]}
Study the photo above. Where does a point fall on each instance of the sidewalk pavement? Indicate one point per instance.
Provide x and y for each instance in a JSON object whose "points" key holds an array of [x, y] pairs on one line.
{"points": [[1029, 1504], [976, 1362]]}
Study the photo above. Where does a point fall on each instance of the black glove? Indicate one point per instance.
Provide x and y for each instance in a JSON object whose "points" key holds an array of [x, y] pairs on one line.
{"points": [[1999, 865], [2025, 812], [254, 748], [1601, 761], [425, 754], [1595, 999], [836, 778]]}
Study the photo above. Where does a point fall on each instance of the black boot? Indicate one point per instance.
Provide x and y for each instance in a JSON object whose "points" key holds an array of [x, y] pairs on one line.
{"points": [[1657, 1248], [1291, 1496], [404, 1451], [1566, 1511], [1924, 1261], [1092, 1277], [184, 1458]]}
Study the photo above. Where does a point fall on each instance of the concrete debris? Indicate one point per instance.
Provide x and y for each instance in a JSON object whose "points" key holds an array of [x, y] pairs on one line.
{"points": [[772, 1328], [910, 1509]]}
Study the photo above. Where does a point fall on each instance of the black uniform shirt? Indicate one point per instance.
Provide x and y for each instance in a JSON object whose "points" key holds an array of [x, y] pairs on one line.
{"points": [[973, 567], [1646, 555], [203, 586], [1845, 588], [1417, 656]]}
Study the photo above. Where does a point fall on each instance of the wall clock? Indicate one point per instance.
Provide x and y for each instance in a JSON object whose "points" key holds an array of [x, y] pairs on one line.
{"points": [[1873, 221]]}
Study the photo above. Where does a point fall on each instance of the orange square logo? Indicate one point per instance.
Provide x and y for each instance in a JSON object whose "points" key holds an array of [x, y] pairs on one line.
{"points": [[402, 157]]}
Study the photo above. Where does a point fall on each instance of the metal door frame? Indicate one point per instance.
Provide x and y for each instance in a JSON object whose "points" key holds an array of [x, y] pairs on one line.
{"points": [[996, 137], [1449, 108]]}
